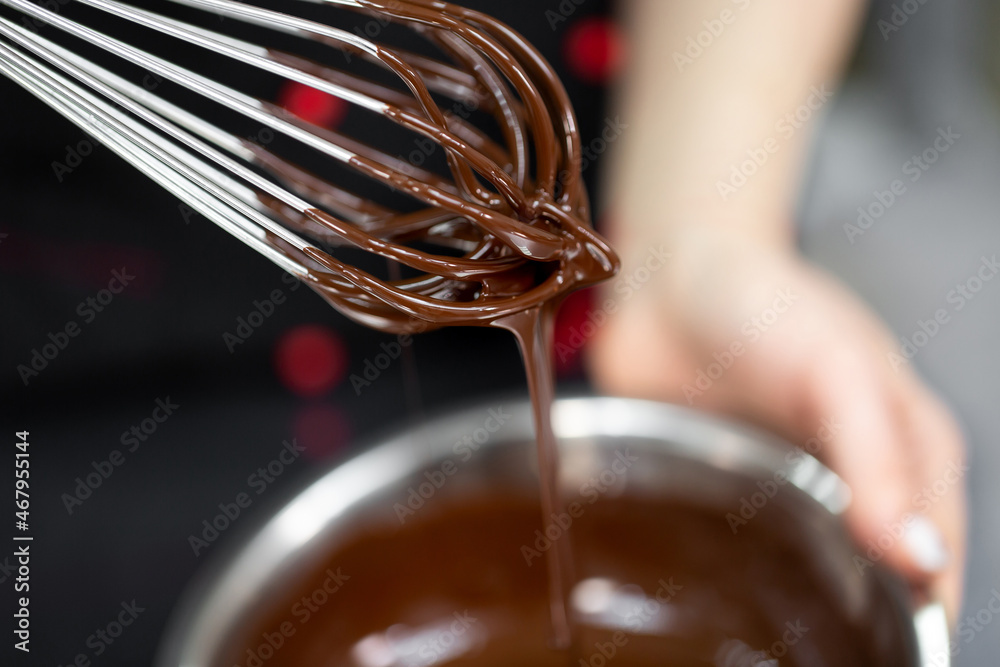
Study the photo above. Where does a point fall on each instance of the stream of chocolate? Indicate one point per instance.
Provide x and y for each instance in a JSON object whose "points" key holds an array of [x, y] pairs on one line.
{"points": [[516, 212], [533, 330]]}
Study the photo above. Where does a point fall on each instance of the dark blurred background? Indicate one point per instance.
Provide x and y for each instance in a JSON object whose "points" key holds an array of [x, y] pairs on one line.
{"points": [[66, 228]]}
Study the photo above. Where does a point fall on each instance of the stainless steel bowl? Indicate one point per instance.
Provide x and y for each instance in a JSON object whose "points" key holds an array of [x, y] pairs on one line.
{"points": [[684, 454]]}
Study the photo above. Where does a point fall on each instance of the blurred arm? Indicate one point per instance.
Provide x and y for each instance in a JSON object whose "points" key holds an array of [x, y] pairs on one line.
{"points": [[695, 109]]}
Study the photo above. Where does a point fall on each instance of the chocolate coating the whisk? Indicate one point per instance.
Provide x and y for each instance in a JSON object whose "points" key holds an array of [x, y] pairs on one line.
{"points": [[517, 210]]}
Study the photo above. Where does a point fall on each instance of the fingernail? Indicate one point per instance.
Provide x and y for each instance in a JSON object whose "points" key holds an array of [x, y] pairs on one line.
{"points": [[926, 545]]}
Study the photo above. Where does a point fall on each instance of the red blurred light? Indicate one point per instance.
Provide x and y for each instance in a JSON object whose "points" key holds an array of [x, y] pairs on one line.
{"points": [[573, 330], [594, 49], [313, 105], [310, 360]]}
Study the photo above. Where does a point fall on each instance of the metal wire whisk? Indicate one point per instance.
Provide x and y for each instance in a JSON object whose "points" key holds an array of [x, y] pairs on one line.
{"points": [[501, 229]]}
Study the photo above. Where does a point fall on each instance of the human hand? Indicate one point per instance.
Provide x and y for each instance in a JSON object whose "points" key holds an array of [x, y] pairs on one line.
{"points": [[801, 355]]}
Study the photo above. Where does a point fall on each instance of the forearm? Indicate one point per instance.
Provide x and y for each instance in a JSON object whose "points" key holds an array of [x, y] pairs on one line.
{"points": [[692, 117]]}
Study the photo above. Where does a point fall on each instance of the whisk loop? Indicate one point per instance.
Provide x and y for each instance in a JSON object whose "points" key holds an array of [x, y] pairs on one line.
{"points": [[502, 228]]}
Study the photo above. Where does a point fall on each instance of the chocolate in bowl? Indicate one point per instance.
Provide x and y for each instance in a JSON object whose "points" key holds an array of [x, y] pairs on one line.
{"points": [[357, 571]]}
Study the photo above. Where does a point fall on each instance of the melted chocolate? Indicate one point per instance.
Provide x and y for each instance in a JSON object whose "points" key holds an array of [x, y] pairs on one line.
{"points": [[688, 594]]}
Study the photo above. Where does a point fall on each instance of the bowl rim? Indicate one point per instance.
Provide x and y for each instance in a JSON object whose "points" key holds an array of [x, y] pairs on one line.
{"points": [[229, 582]]}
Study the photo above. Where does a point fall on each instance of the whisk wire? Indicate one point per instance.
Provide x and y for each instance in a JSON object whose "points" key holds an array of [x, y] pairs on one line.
{"points": [[264, 200], [138, 136], [133, 142]]}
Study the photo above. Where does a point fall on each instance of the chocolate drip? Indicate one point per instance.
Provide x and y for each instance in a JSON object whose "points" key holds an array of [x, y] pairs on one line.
{"points": [[533, 330], [515, 210]]}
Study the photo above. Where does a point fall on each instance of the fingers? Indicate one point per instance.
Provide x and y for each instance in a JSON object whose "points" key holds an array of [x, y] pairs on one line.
{"points": [[868, 452], [902, 455], [940, 485]]}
